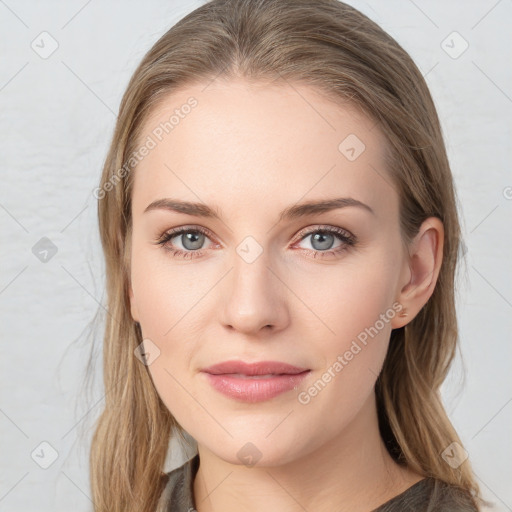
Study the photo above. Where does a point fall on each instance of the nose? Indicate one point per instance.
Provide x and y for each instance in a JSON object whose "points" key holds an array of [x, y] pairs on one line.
{"points": [[253, 297]]}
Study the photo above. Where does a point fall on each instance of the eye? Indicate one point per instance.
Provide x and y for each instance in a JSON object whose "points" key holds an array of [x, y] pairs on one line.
{"points": [[191, 240], [323, 239]]}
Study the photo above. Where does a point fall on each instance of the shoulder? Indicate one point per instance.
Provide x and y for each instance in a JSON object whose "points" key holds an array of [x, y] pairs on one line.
{"points": [[178, 492], [446, 497], [431, 495]]}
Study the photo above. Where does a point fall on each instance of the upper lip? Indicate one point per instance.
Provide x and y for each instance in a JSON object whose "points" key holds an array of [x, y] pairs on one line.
{"points": [[257, 368]]}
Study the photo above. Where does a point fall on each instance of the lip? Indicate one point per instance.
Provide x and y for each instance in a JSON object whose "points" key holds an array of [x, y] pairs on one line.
{"points": [[257, 368], [254, 382]]}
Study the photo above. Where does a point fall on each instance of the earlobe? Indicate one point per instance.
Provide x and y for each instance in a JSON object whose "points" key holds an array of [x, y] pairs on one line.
{"points": [[425, 259]]}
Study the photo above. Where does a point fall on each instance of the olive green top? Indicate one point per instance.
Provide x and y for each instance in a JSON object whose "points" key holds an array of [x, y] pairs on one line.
{"points": [[427, 495]]}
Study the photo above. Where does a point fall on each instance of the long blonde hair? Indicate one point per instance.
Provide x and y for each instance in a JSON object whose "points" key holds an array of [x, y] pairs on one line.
{"points": [[342, 53]]}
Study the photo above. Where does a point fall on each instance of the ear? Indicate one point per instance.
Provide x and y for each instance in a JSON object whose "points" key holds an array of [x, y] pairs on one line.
{"points": [[421, 270], [133, 306]]}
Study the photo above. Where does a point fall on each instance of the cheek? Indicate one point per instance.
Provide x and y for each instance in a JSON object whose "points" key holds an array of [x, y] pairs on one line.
{"points": [[168, 304], [165, 293], [355, 307], [352, 361], [350, 297]]}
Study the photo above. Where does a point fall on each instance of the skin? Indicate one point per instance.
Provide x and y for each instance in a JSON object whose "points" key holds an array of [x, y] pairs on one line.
{"points": [[253, 149]]}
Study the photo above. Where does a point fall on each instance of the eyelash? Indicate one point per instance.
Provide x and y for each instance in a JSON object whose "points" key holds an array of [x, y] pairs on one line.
{"points": [[344, 236]]}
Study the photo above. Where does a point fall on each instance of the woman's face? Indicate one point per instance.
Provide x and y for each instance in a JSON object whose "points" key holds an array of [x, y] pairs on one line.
{"points": [[259, 285]]}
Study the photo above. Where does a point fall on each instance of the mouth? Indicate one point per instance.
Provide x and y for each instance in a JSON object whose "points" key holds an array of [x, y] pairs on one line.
{"points": [[254, 382]]}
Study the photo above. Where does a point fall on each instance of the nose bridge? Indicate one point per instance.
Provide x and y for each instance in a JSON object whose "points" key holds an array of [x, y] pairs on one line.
{"points": [[254, 296]]}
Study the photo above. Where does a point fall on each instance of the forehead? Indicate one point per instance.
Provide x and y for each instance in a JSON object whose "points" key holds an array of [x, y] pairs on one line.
{"points": [[246, 145]]}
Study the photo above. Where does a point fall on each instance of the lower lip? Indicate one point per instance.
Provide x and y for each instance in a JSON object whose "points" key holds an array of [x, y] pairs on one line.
{"points": [[254, 389]]}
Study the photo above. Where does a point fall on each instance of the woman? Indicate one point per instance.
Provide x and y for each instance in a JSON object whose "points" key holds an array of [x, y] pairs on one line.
{"points": [[281, 236]]}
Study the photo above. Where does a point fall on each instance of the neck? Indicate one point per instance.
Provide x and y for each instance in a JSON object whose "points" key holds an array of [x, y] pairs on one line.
{"points": [[352, 472]]}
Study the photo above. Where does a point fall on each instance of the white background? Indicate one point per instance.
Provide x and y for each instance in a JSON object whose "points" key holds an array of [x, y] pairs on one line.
{"points": [[56, 120]]}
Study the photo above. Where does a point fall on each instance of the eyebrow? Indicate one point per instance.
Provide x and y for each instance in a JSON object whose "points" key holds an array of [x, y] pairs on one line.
{"points": [[292, 212]]}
